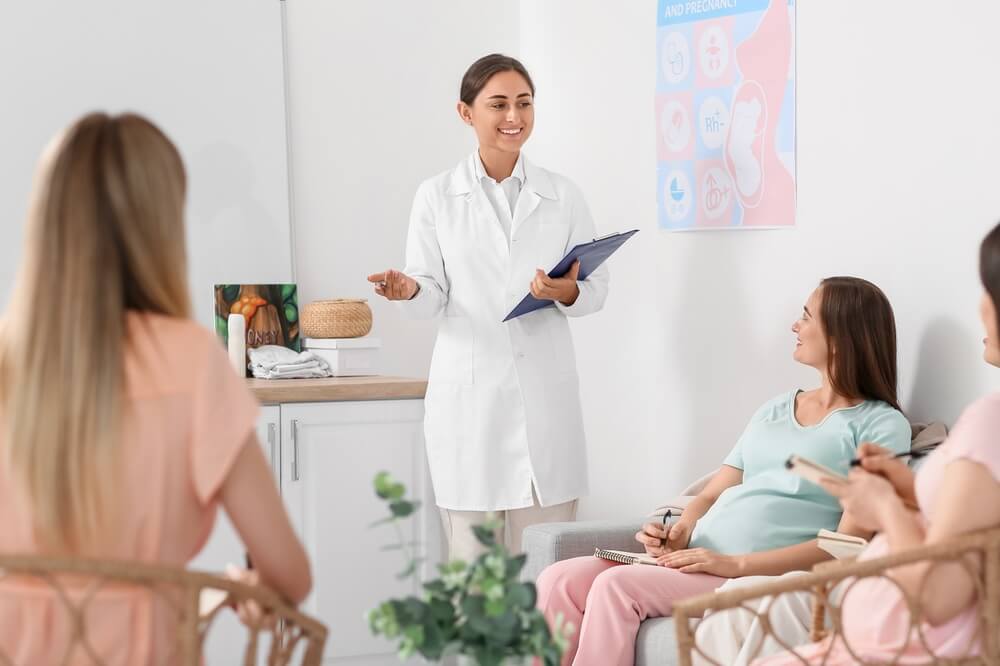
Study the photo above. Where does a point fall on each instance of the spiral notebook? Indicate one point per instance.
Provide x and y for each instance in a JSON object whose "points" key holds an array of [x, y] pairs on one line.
{"points": [[624, 557]]}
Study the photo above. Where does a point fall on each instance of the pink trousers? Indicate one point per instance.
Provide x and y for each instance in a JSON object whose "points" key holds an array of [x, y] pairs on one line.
{"points": [[606, 602]]}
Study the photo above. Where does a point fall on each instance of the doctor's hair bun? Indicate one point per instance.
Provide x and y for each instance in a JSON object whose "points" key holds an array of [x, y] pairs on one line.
{"points": [[483, 70]]}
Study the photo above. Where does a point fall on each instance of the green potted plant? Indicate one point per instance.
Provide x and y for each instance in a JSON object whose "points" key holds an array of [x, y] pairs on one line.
{"points": [[481, 611]]}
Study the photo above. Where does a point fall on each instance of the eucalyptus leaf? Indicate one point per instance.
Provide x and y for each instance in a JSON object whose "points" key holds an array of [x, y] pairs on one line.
{"points": [[484, 535], [402, 508], [382, 483], [522, 595]]}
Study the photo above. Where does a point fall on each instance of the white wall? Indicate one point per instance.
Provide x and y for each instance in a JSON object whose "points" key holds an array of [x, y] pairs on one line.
{"points": [[215, 90], [896, 154], [897, 168], [373, 88]]}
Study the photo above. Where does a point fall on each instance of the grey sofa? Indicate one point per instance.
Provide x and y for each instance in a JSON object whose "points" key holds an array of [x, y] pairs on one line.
{"points": [[656, 644]]}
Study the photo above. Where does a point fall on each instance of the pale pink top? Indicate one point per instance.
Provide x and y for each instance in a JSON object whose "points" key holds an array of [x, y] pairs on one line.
{"points": [[187, 415], [876, 619]]}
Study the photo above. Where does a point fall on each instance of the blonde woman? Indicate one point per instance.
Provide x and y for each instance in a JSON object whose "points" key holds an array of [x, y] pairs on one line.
{"points": [[122, 427]]}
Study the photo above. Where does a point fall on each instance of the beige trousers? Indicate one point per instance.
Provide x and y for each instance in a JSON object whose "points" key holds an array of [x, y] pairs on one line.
{"points": [[462, 543]]}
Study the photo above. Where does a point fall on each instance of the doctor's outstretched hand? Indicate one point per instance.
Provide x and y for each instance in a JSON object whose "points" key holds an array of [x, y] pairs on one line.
{"points": [[394, 286], [564, 289]]}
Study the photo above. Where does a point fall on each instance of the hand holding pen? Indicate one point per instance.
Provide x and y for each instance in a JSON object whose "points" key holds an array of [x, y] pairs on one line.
{"points": [[676, 536], [653, 536], [877, 460], [662, 538]]}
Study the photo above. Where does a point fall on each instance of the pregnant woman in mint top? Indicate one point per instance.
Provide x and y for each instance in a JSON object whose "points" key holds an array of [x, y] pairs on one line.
{"points": [[793, 509], [754, 517]]}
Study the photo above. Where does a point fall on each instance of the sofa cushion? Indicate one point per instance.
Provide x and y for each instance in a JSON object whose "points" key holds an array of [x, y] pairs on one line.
{"points": [[656, 643]]}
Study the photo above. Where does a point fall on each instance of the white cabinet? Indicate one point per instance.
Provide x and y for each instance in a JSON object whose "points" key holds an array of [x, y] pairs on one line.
{"points": [[325, 456], [330, 453]]}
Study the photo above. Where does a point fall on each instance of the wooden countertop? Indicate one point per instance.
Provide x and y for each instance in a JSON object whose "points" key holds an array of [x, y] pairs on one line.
{"points": [[332, 389]]}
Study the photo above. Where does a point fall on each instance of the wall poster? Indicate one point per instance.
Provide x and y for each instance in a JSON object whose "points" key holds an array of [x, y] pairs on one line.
{"points": [[725, 114]]}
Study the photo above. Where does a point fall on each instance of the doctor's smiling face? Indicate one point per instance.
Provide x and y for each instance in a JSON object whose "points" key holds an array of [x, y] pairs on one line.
{"points": [[502, 113], [497, 101]]}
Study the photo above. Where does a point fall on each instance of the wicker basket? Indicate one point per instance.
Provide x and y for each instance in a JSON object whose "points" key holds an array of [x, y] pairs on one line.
{"points": [[337, 318]]}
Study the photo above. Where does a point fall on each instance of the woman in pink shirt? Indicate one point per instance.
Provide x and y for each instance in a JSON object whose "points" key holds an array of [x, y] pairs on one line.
{"points": [[122, 426], [958, 491]]}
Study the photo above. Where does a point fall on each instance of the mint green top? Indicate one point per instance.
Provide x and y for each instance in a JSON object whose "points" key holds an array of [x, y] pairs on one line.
{"points": [[774, 508]]}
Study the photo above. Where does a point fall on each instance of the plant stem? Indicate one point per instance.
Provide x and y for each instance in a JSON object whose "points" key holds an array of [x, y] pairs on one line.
{"points": [[402, 543]]}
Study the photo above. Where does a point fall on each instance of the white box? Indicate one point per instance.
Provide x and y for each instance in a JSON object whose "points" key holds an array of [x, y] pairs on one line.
{"points": [[348, 357]]}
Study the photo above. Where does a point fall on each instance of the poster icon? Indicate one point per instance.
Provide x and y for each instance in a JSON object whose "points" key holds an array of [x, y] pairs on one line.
{"points": [[675, 126], [713, 120], [713, 52], [716, 193], [675, 58], [677, 196]]}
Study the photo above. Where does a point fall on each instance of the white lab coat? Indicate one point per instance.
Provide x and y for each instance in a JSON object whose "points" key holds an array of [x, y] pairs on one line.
{"points": [[503, 407]]}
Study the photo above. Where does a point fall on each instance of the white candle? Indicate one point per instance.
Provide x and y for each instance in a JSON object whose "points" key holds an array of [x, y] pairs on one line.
{"points": [[238, 344]]}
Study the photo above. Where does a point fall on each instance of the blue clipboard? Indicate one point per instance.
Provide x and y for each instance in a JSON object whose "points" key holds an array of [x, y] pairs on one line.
{"points": [[591, 255]]}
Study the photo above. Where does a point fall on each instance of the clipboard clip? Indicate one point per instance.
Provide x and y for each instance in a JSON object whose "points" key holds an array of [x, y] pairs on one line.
{"points": [[613, 233]]}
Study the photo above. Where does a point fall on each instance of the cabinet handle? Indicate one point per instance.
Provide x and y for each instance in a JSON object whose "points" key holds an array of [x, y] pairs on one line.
{"points": [[271, 440], [295, 450]]}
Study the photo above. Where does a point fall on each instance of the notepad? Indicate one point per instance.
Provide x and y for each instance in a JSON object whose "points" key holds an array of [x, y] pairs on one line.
{"points": [[591, 255], [624, 557], [812, 471], [841, 546]]}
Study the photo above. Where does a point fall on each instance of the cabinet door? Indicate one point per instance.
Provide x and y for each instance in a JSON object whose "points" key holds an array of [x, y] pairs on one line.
{"points": [[227, 638], [330, 453]]}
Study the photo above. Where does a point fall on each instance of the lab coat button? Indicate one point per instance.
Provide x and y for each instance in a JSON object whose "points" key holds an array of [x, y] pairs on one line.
{"points": [[520, 354]]}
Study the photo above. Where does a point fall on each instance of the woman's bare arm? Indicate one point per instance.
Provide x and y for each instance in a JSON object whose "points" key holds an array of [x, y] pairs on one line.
{"points": [[250, 498]]}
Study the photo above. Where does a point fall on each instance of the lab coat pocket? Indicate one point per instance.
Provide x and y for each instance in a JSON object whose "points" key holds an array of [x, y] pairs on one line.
{"points": [[452, 359]]}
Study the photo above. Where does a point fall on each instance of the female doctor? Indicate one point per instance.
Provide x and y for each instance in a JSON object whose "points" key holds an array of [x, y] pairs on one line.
{"points": [[503, 424]]}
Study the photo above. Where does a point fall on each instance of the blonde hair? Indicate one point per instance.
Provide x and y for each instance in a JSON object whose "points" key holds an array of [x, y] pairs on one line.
{"points": [[105, 234]]}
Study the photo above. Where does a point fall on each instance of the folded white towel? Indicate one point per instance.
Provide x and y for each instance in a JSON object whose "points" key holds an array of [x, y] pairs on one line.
{"points": [[275, 362], [268, 356], [306, 373]]}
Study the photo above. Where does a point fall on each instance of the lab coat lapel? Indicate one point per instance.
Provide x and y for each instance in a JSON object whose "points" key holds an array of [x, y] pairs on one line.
{"points": [[464, 183], [537, 186], [483, 210]]}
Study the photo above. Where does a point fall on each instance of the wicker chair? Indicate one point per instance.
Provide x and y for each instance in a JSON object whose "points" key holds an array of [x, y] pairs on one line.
{"points": [[75, 584], [820, 582]]}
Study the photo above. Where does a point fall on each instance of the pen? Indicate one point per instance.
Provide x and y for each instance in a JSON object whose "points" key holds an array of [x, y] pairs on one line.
{"points": [[668, 514], [906, 454]]}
